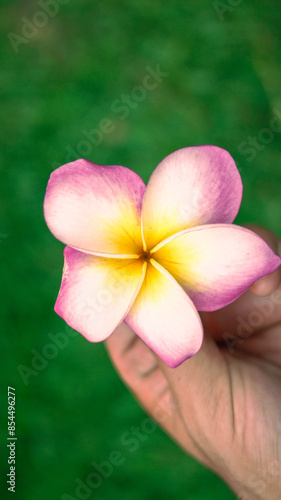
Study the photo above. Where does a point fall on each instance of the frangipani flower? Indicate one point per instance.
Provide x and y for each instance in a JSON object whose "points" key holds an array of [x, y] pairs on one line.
{"points": [[153, 256]]}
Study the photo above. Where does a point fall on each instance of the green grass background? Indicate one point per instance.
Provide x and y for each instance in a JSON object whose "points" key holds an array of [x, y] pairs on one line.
{"points": [[223, 85]]}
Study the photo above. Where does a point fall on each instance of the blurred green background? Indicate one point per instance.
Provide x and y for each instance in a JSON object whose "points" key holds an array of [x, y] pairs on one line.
{"points": [[222, 88]]}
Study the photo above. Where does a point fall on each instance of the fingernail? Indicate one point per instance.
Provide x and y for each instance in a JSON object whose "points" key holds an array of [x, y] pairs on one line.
{"points": [[261, 279]]}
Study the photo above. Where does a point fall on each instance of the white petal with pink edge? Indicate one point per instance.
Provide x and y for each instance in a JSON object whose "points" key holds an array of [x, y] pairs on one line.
{"points": [[96, 293], [164, 317], [215, 264], [192, 186], [95, 208]]}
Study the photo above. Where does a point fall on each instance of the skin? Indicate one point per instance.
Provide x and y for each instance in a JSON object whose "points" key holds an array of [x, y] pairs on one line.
{"points": [[223, 406]]}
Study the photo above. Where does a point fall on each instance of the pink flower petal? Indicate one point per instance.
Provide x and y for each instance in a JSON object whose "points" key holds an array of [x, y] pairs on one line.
{"points": [[165, 318], [95, 208], [192, 186], [96, 293], [215, 264]]}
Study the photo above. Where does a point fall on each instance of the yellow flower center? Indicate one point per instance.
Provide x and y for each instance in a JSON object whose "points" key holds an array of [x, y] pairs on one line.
{"points": [[146, 256]]}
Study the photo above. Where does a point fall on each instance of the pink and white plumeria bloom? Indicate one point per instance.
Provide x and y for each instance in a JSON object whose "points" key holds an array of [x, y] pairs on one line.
{"points": [[153, 256]]}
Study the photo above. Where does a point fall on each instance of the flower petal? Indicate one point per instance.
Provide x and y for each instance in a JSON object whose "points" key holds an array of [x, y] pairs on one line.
{"points": [[165, 318], [95, 208], [215, 264], [192, 186], [96, 293]]}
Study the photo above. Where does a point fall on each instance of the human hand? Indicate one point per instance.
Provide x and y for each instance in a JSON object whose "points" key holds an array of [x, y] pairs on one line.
{"points": [[223, 406]]}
